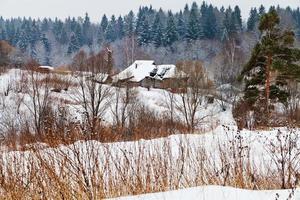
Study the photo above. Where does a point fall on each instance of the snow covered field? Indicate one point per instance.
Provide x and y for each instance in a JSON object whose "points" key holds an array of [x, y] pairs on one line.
{"points": [[217, 193]]}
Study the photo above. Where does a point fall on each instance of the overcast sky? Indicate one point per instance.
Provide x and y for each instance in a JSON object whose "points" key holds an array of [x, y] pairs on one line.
{"points": [[96, 8]]}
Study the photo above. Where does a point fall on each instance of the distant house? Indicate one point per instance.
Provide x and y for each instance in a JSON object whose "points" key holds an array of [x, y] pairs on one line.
{"points": [[44, 69], [146, 73], [134, 74]]}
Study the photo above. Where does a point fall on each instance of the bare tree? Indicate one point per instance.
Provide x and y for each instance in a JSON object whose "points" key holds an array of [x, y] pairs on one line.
{"points": [[79, 61], [229, 62], [92, 95], [39, 93], [129, 49], [293, 105], [194, 92], [124, 104]]}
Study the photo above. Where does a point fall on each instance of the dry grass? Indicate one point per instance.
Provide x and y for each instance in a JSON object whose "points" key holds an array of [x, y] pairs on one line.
{"points": [[58, 82], [92, 170]]}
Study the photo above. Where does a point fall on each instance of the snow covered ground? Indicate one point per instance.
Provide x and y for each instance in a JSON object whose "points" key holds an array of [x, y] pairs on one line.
{"points": [[17, 103], [214, 143], [217, 193]]}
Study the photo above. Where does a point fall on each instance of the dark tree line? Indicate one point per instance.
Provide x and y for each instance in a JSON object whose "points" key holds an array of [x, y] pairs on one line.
{"points": [[149, 26]]}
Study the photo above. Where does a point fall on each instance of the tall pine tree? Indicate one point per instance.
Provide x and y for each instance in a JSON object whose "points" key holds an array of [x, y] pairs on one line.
{"points": [[274, 57]]}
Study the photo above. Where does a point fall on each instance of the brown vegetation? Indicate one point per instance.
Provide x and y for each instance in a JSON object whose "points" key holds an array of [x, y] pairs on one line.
{"points": [[91, 170]]}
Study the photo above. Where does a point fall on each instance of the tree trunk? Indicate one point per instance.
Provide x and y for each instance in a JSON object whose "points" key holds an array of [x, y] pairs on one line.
{"points": [[268, 69]]}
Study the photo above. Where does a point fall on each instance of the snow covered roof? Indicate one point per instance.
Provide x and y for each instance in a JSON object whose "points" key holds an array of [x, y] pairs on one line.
{"points": [[46, 67], [138, 71], [168, 71], [141, 69]]}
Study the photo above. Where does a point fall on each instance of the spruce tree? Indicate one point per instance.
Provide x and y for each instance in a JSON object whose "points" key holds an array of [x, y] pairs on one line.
{"points": [[104, 23], [74, 44], [3, 34], [10, 32], [86, 31], [209, 23], [73, 24], [157, 34], [252, 20], [100, 36], [120, 28], [186, 12], [202, 20], [57, 28], [46, 43], [232, 23], [181, 26], [262, 10], [47, 48], [194, 23], [129, 21], [111, 30], [16, 38], [143, 27], [227, 24], [23, 41], [273, 53], [140, 20], [144, 36], [45, 25], [78, 34], [63, 39], [171, 34], [34, 34], [236, 21], [222, 10]]}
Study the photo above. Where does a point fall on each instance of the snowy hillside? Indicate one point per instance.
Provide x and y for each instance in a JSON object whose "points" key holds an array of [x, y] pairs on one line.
{"points": [[216, 154], [18, 86]]}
